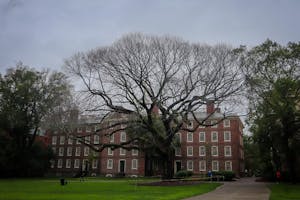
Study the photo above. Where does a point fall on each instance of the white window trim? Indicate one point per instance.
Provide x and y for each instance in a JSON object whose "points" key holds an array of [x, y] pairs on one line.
{"points": [[62, 139], [214, 122], [108, 163], [96, 139], [178, 151], [230, 164], [54, 140], [136, 164], [187, 165], [86, 151], [135, 152], [95, 164], [200, 150], [123, 137], [200, 169], [217, 150], [69, 151], [68, 163], [187, 151], [122, 152], [189, 134], [110, 152], [76, 163], [77, 151], [202, 132], [227, 132], [59, 163], [226, 125], [70, 141], [60, 151], [227, 155], [212, 133], [212, 166]]}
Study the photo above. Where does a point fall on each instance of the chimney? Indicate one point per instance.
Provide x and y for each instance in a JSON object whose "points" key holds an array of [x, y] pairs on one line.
{"points": [[155, 110], [210, 107]]}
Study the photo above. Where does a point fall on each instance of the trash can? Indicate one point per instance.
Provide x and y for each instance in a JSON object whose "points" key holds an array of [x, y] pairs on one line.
{"points": [[62, 181]]}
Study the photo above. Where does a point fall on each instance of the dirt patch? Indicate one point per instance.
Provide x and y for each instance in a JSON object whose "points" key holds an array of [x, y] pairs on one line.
{"points": [[171, 183]]}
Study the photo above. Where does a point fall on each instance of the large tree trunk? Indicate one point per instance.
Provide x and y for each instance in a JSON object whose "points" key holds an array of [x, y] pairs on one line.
{"points": [[168, 165]]}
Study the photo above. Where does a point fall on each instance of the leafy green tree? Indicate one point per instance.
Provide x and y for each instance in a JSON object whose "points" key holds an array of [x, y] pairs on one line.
{"points": [[277, 127], [271, 73], [26, 97]]}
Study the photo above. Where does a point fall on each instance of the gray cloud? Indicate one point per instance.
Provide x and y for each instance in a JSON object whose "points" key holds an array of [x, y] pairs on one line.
{"points": [[43, 33]]}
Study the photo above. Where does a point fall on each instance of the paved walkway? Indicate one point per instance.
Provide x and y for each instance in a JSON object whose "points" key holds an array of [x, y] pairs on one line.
{"points": [[243, 189]]}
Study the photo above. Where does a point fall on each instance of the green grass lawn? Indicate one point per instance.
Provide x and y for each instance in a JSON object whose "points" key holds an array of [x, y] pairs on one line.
{"points": [[284, 191], [50, 189]]}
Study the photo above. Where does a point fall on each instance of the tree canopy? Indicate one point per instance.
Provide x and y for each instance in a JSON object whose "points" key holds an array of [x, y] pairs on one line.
{"points": [[140, 73], [27, 96], [272, 76]]}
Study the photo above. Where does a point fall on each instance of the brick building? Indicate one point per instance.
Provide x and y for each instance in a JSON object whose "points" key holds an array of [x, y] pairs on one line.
{"points": [[217, 147]]}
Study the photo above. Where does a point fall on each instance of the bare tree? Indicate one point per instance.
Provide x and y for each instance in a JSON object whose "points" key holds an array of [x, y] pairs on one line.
{"points": [[158, 84]]}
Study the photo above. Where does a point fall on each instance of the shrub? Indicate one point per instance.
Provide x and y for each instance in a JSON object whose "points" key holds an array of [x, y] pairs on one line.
{"points": [[183, 174], [228, 175]]}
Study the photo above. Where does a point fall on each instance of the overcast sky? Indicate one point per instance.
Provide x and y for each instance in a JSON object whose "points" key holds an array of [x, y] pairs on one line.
{"points": [[42, 33]]}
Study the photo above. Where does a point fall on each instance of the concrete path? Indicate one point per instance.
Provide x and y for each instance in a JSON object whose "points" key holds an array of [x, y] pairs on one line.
{"points": [[243, 189]]}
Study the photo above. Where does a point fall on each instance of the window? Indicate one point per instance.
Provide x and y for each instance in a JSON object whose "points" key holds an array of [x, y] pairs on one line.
{"points": [[189, 151], [202, 137], [226, 123], [109, 164], [202, 151], [123, 137], [79, 130], [214, 136], [178, 151], [190, 165], [215, 165], [228, 166], [190, 124], [61, 151], [112, 138], [214, 151], [54, 150], [52, 163], [134, 164], [62, 140], [70, 141], [189, 137], [96, 128], [227, 136], [87, 139], [96, 139], [122, 152], [54, 140], [214, 124], [135, 152], [86, 151], [77, 151], [227, 151], [178, 136], [202, 165], [76, 163], [59, 163], [110, 152], [95, 164], [88, 129], [78, 141], [69, 151], [68, 163]]}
